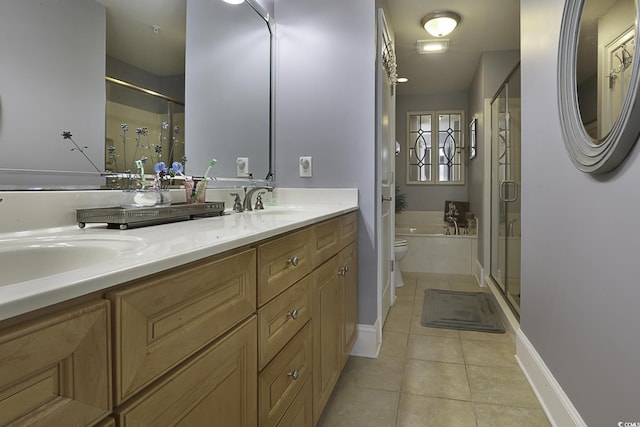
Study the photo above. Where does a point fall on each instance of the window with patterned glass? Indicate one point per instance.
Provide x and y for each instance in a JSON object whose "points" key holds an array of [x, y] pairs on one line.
{"points": [[435, 147]]}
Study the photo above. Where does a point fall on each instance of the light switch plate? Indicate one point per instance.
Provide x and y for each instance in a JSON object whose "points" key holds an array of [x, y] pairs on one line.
{"points": [[242, 166], [305, 167]]}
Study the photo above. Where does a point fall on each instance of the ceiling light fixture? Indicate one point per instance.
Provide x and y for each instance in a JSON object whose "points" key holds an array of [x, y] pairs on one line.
{"points": [[233, 1], [440, 22], [432, 46], [402, 80]]}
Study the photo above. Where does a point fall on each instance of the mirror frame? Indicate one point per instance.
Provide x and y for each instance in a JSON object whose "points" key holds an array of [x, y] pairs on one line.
{"points": [[588, 155]]}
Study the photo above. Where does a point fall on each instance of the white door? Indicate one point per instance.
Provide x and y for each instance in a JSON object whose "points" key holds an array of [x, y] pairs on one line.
{"points": [[618, 59], [385, 142]]}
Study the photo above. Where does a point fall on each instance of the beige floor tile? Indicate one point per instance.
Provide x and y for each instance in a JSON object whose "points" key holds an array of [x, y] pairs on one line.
{"points": [[465, 279], [508, 416], [409, 290], [487, 336], [438, 349], [418, 329], [409, 276], [351, 406], [423, 411], [466, 287], [397, 321], [501, 386], [394, 345], [431, 283], [435, 379], [489, 353], [379, 374]]}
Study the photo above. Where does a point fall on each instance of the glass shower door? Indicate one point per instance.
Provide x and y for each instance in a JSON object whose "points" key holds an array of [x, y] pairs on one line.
{"points": [[505, 190]]}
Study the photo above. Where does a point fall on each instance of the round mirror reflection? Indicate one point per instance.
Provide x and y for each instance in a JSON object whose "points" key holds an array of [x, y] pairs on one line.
{"points": [[598, 82], [606, 48]]}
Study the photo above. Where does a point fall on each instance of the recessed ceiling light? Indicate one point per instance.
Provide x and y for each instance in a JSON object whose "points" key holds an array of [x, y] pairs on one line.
{"points": [[402, 80], [432, 46], [440, 22]]}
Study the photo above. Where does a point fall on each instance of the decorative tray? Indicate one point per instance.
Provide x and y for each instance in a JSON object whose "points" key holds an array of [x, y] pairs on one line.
{"points": [[123, 218]]}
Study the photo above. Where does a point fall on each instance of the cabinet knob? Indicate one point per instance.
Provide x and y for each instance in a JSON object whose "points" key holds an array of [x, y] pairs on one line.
{"points": [[293, 314], [342, 272], [294, 374], [293, 261]]}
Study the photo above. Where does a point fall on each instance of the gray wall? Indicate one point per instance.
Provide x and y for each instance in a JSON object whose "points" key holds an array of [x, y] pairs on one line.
{"points": [[490, 74], [426, 197], [51, 80], [325, 108], [580, 288]]}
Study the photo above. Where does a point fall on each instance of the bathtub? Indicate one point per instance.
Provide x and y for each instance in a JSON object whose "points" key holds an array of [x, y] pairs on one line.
{"points": [[431, 251]]}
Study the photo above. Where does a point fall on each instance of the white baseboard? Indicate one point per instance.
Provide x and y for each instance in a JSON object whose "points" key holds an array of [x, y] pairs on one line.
{"points": [[478, 272], [554, 401], [368, 341]]}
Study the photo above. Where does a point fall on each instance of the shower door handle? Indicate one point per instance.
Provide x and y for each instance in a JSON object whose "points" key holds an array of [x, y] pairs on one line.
{"points": [[504, 190]]}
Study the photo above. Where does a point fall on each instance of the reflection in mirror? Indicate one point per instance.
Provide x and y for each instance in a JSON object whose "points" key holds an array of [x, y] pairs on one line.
{"points": [[598, 81], [53, 72], [606, 46]]}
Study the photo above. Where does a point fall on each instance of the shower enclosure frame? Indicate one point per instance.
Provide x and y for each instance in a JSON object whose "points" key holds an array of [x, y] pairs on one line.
{"points": [[505, 190]]}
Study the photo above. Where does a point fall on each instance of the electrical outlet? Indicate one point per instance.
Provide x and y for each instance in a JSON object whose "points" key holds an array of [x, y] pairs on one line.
{"points": [[242, 166], [305, 166]]}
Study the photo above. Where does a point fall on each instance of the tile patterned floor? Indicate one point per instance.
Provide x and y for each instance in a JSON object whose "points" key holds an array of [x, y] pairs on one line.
{"points": [[428, 377]]}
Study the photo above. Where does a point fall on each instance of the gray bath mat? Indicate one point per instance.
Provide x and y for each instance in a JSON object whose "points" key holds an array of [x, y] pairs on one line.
{"points": [[468, 311]]}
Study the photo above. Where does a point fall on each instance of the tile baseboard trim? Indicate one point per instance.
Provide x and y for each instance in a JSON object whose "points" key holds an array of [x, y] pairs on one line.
{"points": [[368, 342], [554, 401], [478, 272]]}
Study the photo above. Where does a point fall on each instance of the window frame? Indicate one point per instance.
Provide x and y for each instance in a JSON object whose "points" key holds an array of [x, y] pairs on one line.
{"points": [[435, 143]]}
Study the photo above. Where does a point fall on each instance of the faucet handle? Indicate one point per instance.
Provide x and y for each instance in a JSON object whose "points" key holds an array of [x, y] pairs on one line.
{"points": [[259, 204], [237, 203]]}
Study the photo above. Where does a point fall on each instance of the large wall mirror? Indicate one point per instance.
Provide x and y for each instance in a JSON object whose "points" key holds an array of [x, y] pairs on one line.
{"points": [[56, 56], [598, 77]]}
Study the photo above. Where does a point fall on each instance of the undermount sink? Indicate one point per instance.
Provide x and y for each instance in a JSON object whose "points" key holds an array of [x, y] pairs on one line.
{"points": [[23, 259]]}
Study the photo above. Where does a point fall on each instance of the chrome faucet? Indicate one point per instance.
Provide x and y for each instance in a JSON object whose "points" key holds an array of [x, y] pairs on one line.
{"points": [[246, 205], [455, 225]]}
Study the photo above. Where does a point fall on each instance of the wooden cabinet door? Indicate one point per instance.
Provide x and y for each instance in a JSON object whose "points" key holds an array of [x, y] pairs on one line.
{"points": [[281, 381], [326, 240], [348, 228], [162, 320], [349, 296], [215, 388], [327, 330], [300, 413], [56, 370], [282, 318], [282, 262]]}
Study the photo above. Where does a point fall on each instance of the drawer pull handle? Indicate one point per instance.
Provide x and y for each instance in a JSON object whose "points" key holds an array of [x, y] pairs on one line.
{"points": [[294, 374], [293, 314], [293, 261]]}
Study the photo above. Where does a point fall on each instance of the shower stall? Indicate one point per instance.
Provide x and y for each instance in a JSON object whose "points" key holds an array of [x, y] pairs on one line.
{"points": [[506, 190]]}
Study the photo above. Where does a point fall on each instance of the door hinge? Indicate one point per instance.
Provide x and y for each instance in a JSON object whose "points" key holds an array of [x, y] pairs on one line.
{"points": [[392, 265]]}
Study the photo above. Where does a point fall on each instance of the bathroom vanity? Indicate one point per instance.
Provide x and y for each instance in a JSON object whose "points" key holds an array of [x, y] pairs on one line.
{"points": [[206, 324]]}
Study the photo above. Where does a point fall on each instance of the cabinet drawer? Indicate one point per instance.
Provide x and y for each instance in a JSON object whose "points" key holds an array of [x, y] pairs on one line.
{"points": [[282, 262], [216, 388], [162, 320], [348, 228], [300, 413], [283, 378], [326, 240], [282, 318], [55, 371]]}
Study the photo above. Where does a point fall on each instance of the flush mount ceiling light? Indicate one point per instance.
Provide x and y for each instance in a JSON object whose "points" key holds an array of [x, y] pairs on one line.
{"points": [[433, 46], [233, 1], [402, 80], [440, 22]]}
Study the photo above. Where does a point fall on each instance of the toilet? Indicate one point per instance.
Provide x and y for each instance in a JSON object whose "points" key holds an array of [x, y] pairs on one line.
{"points": [[400, 248]]}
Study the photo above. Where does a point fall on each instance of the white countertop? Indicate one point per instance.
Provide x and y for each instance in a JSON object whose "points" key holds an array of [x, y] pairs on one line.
{"points": [[155, 248]]}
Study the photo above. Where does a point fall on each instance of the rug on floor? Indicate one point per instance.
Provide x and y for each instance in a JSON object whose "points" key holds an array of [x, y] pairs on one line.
{"points": [[468, 311]]}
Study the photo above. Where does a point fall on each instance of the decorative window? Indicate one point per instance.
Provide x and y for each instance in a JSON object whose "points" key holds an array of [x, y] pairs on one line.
{"points": [[436, 151]]}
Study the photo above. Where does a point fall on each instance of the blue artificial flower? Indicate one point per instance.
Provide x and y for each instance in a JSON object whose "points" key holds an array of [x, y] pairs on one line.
{"points": [[177, 167], [160, 167]]}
